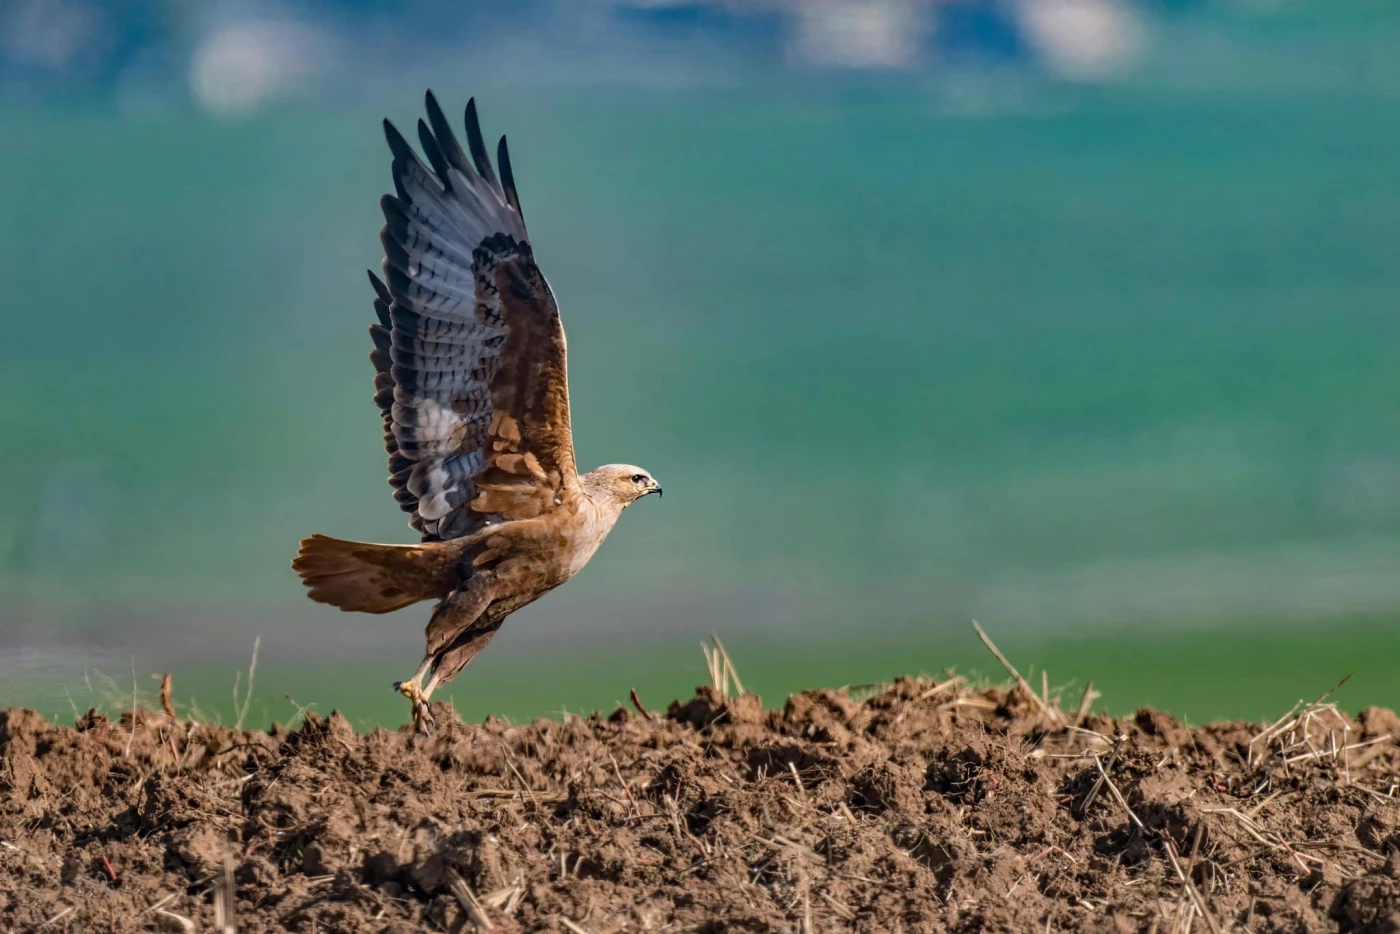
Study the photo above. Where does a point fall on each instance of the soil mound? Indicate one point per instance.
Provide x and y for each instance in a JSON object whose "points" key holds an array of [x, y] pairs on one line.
{"points": [[922, 807]]}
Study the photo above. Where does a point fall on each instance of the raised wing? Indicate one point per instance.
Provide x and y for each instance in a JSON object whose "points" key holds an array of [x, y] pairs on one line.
{"points": [[469, 350]]}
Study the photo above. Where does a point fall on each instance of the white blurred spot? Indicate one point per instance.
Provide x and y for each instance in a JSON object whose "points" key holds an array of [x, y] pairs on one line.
{"points": [[1083, 39], [55, 35], [858, 33], [237, 68]]}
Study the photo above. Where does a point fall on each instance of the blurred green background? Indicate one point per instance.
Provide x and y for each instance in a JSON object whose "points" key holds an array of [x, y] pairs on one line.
{"points": [[1105, 360]]}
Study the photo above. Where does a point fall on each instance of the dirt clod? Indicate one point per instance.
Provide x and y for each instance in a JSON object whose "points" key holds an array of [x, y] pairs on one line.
{"points": [[921, 808]]}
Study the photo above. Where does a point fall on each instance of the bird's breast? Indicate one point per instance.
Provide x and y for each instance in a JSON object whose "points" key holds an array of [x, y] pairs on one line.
{"points": [[576, 550], [551, 549], [578, 541]]}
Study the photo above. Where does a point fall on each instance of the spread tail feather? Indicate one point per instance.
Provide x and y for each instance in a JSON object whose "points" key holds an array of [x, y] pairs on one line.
{"points": [[370, 578]]}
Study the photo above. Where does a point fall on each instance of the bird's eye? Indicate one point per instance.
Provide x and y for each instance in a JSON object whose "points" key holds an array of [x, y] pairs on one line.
{"points": [[639, 478]]}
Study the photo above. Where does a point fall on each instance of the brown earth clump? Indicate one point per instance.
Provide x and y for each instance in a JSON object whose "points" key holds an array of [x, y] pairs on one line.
{"points": [[922, 807]]}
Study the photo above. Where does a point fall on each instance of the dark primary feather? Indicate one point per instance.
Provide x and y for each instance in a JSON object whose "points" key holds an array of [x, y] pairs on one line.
{"points": [[508, 177], [381, 298], [434, 154], [445, 138], [382, 358], [477, 144]]}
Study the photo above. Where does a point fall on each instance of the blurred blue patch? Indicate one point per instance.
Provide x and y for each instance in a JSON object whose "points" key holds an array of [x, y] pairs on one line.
{"points": [[979, 32], [757, 30]]}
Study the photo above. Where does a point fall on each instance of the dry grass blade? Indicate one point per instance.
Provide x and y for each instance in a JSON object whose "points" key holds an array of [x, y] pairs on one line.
{"points": [[626, 789], [1337, 751], [1049, 712], [722, 670], [1271, 841], [58, 917], [505, 897], [1297, 729], [157, 906], [952, 684], [797, 780], [224, 901], [248, 692], [1085, 702], [131, 734], [843, 910], [468, 900], [730, 671], [1333, 689], [1117, 795], [165, 702], [576, 928], [536, 797], [782, 843], [1103, 775], [1269, 731], [185, 923], [1191, 889], [716, 669]]}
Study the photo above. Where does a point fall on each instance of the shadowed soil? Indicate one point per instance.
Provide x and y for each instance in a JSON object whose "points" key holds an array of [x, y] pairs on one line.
{"points": [[922, 807]]}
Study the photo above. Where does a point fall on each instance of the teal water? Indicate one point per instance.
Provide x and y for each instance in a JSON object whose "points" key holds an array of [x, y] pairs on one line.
{"points": [[1113, 372]]}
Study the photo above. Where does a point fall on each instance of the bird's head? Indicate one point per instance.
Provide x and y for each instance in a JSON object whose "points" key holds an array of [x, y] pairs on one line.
{"points": [[622, 484]]}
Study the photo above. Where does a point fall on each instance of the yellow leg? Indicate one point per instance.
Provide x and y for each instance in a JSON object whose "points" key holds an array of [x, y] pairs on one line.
{"points": [[413, 690]]}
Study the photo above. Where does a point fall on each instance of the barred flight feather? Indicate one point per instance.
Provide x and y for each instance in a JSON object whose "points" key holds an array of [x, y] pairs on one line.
{"points": [[451, 352]]}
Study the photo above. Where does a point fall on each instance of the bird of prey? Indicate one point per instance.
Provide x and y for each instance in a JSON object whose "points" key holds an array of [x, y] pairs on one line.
{"points": [[470, 379]]}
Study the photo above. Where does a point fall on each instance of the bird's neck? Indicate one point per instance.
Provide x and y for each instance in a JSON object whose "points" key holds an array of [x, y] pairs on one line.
{"points": [[607, 506]]}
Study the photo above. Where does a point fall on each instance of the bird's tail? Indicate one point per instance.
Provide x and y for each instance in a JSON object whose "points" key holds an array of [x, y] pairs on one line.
{"points": [[371, 578]]}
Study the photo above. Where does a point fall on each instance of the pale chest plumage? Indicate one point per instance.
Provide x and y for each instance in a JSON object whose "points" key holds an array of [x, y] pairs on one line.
{"points": [[539, 554], [581, 537]]}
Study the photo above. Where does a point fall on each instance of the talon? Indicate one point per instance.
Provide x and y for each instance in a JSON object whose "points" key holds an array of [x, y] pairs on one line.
{"points": [[418, 695], [423, 718]]}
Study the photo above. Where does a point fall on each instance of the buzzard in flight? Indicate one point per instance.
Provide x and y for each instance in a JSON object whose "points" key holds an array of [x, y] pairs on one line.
{"points": [[470, 379]]}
